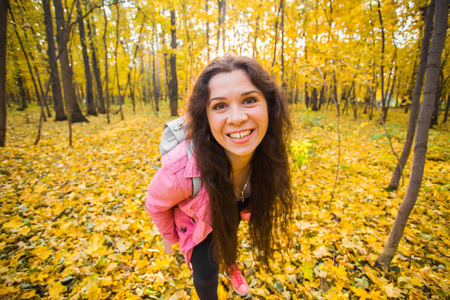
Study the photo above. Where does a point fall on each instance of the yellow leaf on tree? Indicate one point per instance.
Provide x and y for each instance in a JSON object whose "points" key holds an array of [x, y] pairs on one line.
{"points": [[56, 290]]}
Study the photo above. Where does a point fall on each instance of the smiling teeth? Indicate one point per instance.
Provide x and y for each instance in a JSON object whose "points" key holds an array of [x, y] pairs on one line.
{"points": [[240, 135]]}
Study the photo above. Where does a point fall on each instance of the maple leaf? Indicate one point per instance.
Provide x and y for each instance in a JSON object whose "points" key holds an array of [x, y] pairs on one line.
{"points": [[392, 291], [94, 292], [322, 251], [56, 289], [42, 252]]}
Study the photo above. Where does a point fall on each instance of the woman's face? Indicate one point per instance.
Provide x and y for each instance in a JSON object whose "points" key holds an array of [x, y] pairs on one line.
{"points": [[237, 113]]}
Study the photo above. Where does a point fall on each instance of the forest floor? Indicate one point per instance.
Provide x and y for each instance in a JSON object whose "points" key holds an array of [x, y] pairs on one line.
{"points": [[73, 224]]}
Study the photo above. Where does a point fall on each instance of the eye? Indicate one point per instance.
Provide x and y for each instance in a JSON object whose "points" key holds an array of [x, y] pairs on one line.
{"points": [[249, 100], [219, 106]]}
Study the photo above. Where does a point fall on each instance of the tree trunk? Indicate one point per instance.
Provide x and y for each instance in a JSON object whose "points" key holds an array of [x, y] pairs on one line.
{"points": [[415, 101], [383, 40], [60, 114], [98, 81], [283, 83], [73, 109], [447, 107], [106, 65], [220, 28], [207, 32], [173, 69], [256, 32], [4, 6], [314, 99], [23, 99], [435, 115], [156, 89], [420, 146], [87, 66], [276, 35], [119, 97]]}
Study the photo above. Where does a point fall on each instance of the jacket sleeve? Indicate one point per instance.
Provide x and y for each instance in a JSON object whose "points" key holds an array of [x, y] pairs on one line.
{"points": [[164, 193]]}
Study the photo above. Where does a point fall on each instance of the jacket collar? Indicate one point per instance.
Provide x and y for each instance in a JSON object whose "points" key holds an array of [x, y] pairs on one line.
{"points": [[191, 168]]}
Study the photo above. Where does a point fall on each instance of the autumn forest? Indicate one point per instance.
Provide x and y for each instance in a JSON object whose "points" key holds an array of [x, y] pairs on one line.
{"points": [[86, 87]]}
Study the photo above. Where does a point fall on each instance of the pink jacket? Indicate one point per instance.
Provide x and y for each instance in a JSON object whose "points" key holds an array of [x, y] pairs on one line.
{"points": [[179, 218]]}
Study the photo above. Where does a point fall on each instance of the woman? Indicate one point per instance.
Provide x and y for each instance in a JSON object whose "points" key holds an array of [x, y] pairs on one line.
{"points": [[238, 123]]}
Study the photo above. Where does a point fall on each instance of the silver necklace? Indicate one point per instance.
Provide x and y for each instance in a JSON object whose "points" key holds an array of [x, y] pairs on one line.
{"points": [[242, 197]]}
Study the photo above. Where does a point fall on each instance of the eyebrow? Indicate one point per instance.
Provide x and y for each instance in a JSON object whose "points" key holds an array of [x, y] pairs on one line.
{"points": [[243, 94]]}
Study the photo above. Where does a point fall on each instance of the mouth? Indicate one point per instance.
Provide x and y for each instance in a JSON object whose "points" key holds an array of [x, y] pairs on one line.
{"points": [[240, 135]]}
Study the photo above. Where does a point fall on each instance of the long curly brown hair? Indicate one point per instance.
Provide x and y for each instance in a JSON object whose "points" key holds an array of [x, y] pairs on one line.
{"points": [[271, 199]]}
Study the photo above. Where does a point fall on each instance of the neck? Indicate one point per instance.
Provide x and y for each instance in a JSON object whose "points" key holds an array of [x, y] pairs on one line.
{"points": [[240, 174], [240, 165]]}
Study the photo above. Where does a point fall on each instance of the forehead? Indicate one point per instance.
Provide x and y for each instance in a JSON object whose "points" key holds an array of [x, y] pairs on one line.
{"points": [[230, 83]]}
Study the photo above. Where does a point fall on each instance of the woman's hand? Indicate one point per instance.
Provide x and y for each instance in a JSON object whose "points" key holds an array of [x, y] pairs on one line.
{"points": [[167, 246]]}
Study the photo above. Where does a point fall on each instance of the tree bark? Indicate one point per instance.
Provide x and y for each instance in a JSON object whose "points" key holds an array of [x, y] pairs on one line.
{"points": [[119, 97], [447, 107], [415, 101], [87, 66], [383, 40], [207, 32], [221, 20], [73, 109], [106, 65], [276, 35], [98, 81], [256, 32], [173, 84], [4, 6], [156, 88], [420, 145], [60, 114]]}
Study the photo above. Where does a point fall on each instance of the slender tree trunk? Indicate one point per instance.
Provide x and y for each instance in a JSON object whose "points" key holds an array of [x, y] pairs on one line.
{"points": [[447, 107], [73, 109], [415, 102], [314, 99], [4, 6], [98, 81], [283, 83], [173, 69], [276, 35], [420, 146], [221, 7], [106, 65], [383, 40], [119, 97], [87, 66], [256, 33], [60, 114], [23, 99], [156, 90], [207, 32], [25, 54]]}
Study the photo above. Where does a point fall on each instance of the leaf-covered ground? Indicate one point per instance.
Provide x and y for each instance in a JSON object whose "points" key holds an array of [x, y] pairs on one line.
{"points": [[73, 224]]}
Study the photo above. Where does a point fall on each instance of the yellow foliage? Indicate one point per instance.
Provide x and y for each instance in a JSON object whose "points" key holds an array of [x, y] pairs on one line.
{"points": [[74, 226]]}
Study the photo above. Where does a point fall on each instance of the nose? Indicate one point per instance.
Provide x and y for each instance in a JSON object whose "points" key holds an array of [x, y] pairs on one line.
{"points": [[237, 115]]}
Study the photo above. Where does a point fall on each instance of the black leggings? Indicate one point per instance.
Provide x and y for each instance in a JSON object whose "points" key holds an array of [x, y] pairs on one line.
{"points": [[204, 266]]}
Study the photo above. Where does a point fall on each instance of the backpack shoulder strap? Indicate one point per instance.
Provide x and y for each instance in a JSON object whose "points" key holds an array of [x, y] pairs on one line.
{"points": [[196, 181]]}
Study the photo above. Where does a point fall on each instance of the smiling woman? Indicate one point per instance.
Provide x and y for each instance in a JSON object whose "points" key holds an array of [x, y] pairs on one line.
{"points": [[239, 124], [237, 115]]}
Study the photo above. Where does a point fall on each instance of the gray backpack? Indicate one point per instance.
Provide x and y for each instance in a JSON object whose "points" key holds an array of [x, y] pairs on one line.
{"points": [[174, 132]]}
